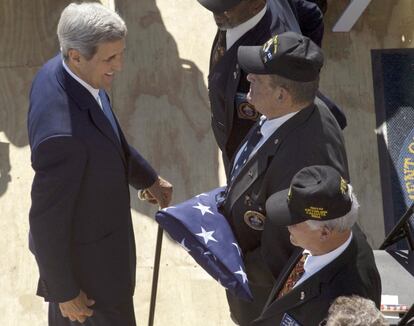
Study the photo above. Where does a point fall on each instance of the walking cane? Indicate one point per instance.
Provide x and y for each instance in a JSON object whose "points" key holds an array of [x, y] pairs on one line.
{"points": [[155, 276], [143, 195]]}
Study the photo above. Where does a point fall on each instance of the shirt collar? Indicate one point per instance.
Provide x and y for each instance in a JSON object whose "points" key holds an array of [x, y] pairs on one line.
{"points": [[315, 263], [270, 126], [93, 91], [233, 34]]}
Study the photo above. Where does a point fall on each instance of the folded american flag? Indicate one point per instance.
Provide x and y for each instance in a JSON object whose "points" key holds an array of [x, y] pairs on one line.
{"points": [[205, 234]]}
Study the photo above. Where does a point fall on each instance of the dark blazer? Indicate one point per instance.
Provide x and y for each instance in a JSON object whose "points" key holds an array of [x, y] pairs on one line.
{"points": [[352, 272], [226, 78], [311, 137], [80, 222]]}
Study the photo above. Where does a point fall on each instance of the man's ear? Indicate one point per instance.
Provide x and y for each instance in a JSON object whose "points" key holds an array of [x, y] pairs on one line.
{"points": [[325, 233], [74, 56], [283, 94]]}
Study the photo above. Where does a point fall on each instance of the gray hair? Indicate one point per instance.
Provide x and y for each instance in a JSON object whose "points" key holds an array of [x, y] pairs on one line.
{"points": [[354, 310], [84, 26], [343, 223], [301, 92]]}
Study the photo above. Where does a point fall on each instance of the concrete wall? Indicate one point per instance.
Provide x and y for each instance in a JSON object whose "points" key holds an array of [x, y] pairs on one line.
{"points": [[161, 100]]}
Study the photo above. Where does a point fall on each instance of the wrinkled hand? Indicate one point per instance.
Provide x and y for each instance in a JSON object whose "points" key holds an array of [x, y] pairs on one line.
{"points": [[159, 193], [77, 308]]}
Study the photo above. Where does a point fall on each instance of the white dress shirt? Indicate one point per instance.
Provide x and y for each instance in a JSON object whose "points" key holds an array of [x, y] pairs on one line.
{"points": [[93, 91], [233, 34], [314, 264], [268, 128]]}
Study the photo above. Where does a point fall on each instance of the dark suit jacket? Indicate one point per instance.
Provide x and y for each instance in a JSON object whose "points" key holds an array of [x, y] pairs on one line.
{"points": [[352, 272], [226, 78], [311, 137], [80, 222]]}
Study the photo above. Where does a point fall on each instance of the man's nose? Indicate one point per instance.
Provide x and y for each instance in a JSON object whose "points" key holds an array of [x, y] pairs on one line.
{"points": [[118, 63]]}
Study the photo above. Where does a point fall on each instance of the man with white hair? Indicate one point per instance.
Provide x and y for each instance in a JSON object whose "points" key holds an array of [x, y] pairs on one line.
{"points": [[319, 210], [80, 221]]}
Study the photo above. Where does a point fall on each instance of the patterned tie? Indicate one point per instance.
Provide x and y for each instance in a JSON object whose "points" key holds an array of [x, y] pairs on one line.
{"points": [[294, 276], [106, 108], [251, 143], [220, 47]]}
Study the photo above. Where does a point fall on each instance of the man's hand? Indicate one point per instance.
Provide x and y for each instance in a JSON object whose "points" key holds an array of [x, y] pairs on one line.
{"points": [[160, 192], [77, 308]]}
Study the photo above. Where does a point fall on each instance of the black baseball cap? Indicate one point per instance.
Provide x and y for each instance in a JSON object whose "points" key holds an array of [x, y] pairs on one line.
{"points": [[316, 193], [289, 55], [219, 6]]}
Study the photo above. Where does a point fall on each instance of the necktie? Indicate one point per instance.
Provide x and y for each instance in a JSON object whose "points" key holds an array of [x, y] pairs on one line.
{"points": [[106, 108], [294, 276], [251, 143], [220, 47]]}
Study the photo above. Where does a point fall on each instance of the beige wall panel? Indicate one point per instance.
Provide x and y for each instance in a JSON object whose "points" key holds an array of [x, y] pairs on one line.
{"points": [[15, 87], [28, 31], [18, 272]]}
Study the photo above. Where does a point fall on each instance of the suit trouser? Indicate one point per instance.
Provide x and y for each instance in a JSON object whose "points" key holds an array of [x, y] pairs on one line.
{"points": [[121, 315]]}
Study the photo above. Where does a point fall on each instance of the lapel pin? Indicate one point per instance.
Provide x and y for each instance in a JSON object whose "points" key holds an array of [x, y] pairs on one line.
{"points": [[276, 141], [302, 295]]}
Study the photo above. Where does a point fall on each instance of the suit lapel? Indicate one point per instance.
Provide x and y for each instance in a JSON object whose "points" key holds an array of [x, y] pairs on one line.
{"points": [[85, 101], [255, 167], [103, 124], [259, 163], [299, 295]]}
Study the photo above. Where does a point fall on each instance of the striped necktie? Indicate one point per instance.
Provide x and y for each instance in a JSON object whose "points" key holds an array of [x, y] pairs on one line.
{"points": [[106, 108], [251, 143]]}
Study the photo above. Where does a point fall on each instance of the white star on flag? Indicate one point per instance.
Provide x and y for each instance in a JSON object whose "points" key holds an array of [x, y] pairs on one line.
{"points": [[206, 235], [237, 247], [203, 194], [242, 273], [182, 243], [167, 208], [203, 209]]}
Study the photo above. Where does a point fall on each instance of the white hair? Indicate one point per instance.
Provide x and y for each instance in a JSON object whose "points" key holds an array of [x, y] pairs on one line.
{"points": [[343, 223], [84, 26]]}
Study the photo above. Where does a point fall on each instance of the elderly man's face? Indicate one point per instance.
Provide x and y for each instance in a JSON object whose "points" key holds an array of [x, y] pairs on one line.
{"points": [[301, 235], [99, 71], [234, 16], [261, 94]]}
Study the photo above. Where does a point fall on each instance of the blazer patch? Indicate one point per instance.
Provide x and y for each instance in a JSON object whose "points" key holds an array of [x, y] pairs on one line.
{"points": [[288, 320]]}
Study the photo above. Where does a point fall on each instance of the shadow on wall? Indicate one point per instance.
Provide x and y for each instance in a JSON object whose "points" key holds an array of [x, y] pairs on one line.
{"points": [[162, 103], [5, 167]]}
